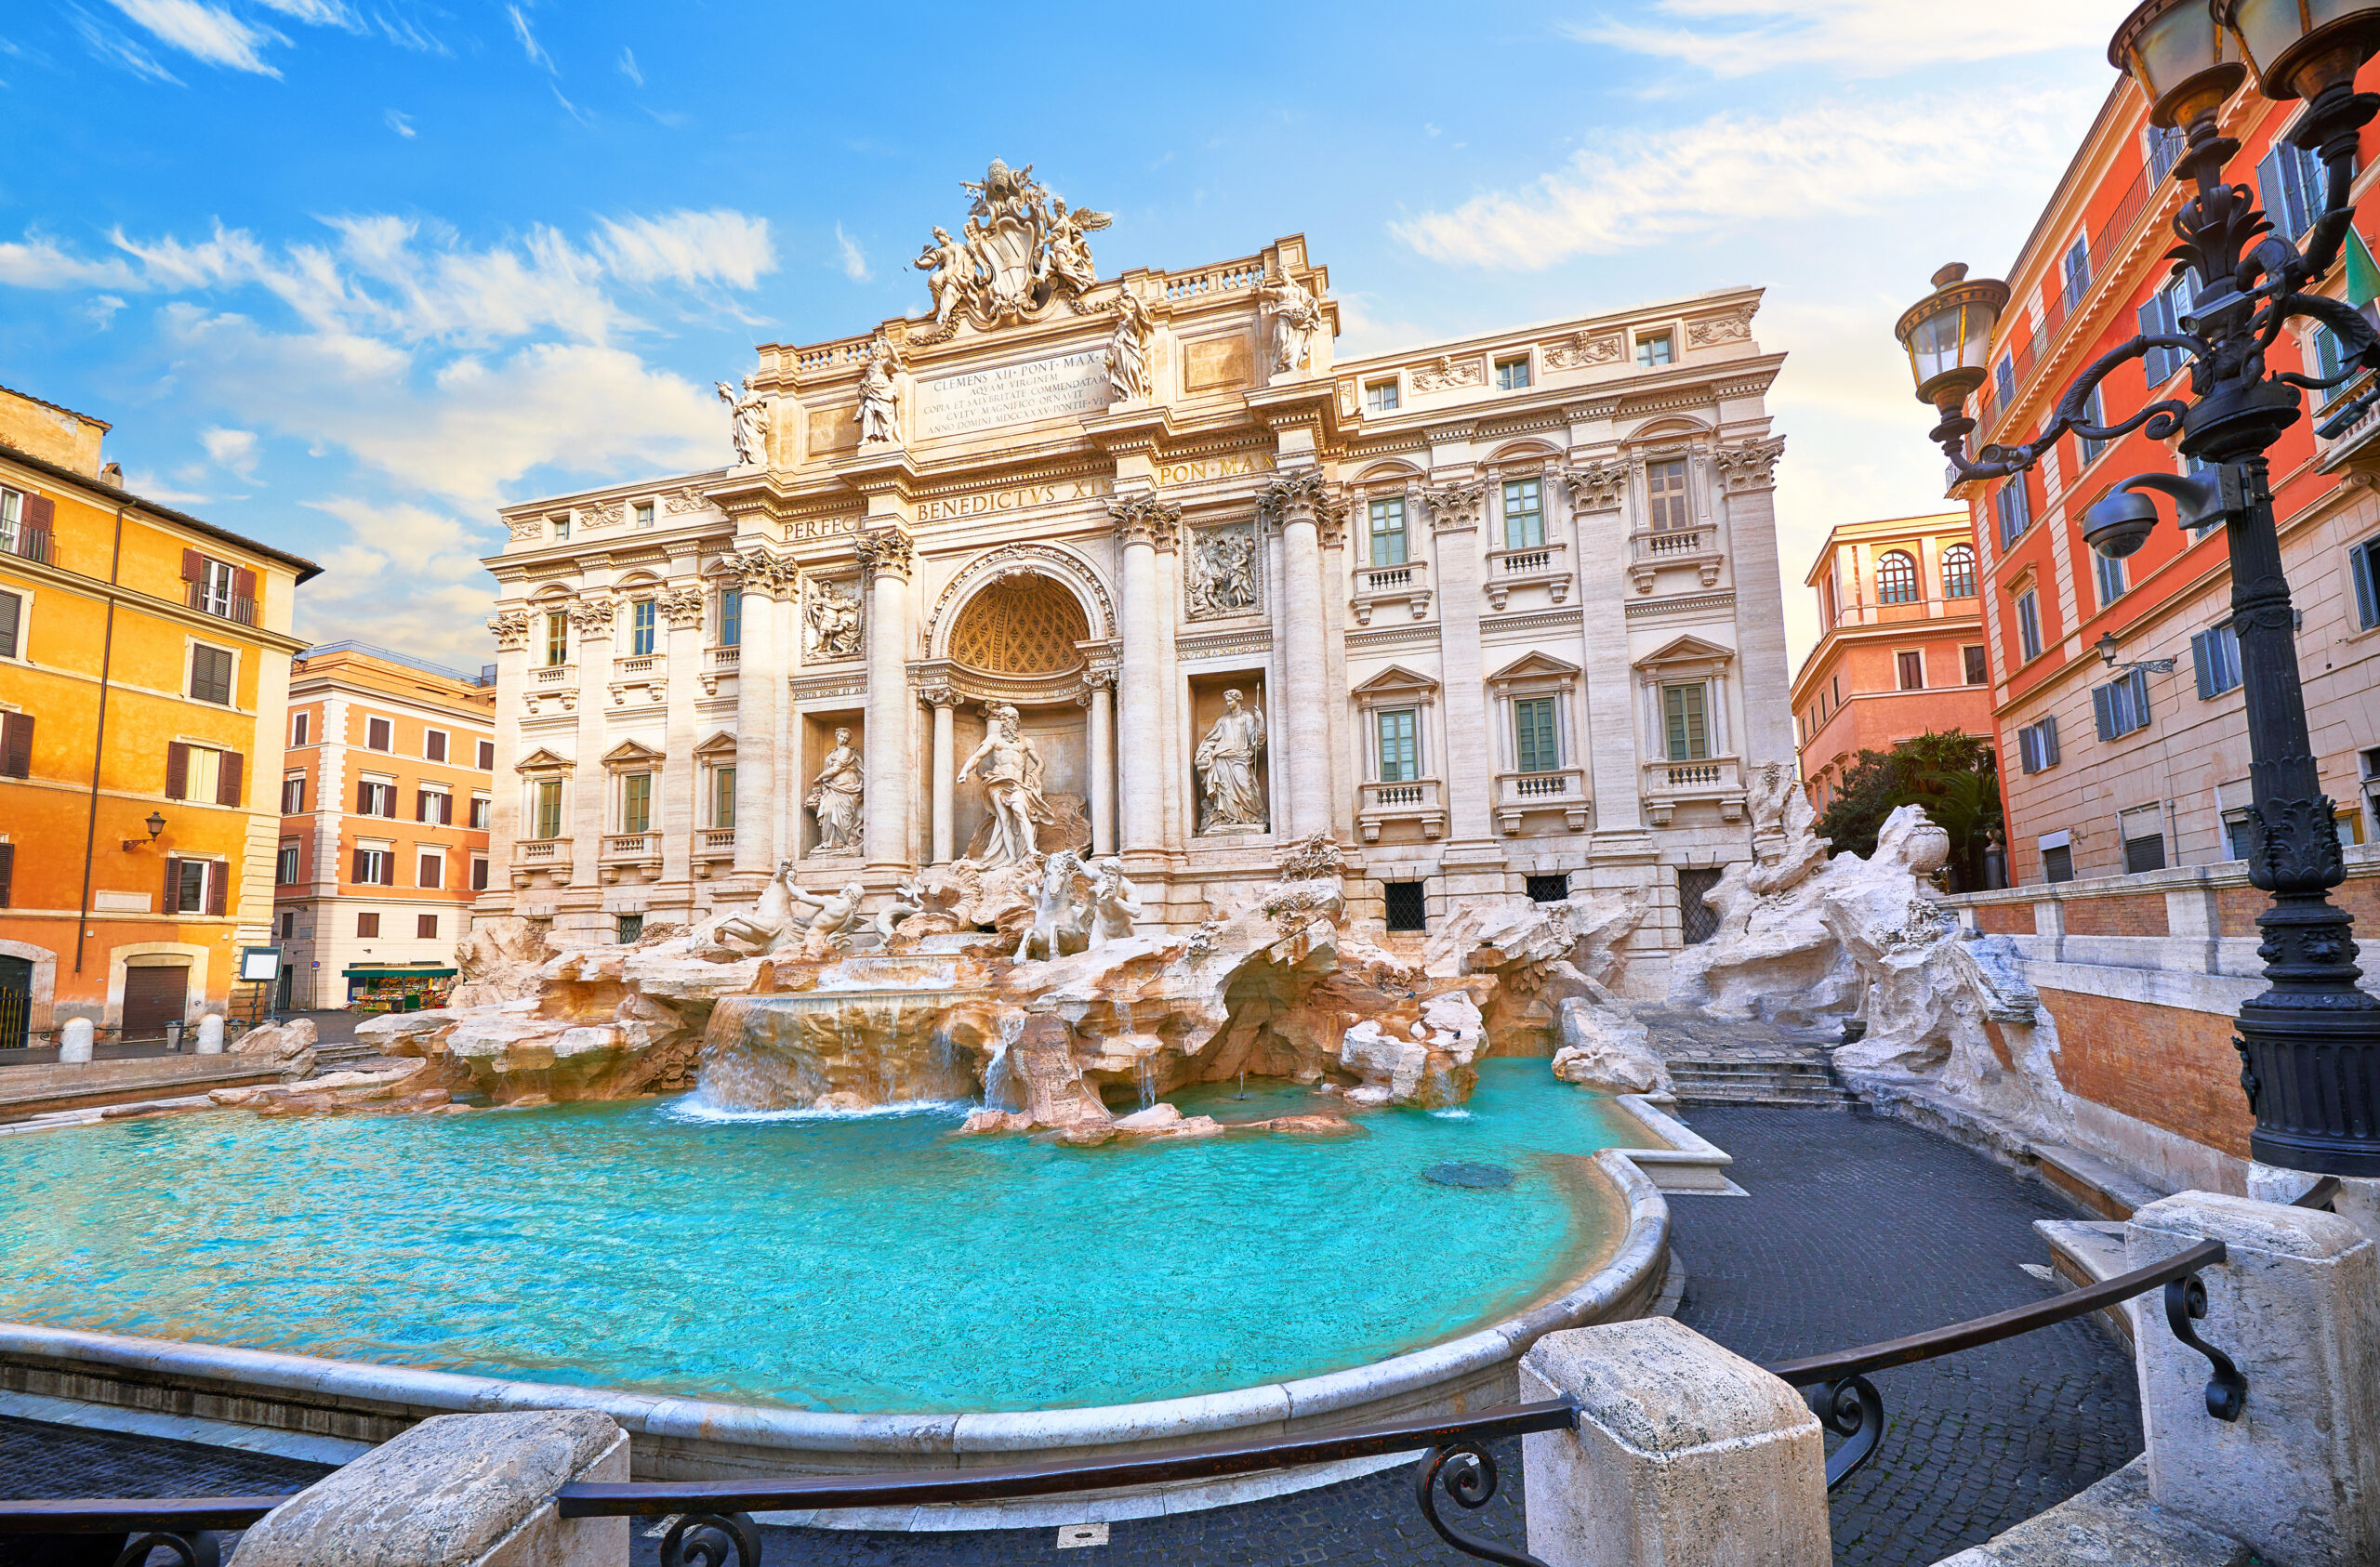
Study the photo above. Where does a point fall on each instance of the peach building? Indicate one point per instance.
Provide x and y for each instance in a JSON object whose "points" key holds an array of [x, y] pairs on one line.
{"points": [[385, 795], [144, 677], [1900, 648]]}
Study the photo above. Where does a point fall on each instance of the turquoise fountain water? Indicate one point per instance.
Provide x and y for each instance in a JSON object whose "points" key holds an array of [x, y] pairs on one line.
{"points": [[862, 1263]]}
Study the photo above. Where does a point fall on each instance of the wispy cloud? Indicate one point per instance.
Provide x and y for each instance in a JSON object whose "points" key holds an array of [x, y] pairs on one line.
{"points": [[1732, 170], [854, 259], [629, 67], [232, 449], [114, 47], [317, 13], [529, 45], [1853, 37], [205, 32], [400, 123], [575, 113], [689, 249], [38, 261]]}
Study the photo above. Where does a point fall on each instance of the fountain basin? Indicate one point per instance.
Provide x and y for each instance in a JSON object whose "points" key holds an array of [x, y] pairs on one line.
{"points": [[1576, 1239]]}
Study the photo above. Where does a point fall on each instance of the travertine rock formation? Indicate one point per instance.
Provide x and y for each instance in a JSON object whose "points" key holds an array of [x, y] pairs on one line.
{"points": [[1604, 1047]]}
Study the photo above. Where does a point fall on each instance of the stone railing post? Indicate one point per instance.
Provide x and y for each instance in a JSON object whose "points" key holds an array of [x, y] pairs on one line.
{"points": [[456, 1491], [2295, 1303], [1684, 1456]]}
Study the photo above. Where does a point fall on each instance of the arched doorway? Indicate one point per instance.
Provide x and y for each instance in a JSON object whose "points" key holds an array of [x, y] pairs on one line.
{"points": [[1017, 641]]}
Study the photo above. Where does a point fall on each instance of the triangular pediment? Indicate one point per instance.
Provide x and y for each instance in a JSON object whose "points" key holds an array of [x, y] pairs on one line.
{"points": [[720, 745], [542, 760], [1688, 648], [1537, 666], [1397, 681], [630, 753]]}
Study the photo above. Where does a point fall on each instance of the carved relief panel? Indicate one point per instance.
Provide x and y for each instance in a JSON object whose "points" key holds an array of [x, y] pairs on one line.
{"points": [[1222, 571]]}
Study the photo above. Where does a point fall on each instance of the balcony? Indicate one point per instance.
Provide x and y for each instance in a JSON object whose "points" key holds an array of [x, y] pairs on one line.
{"points": [[633, 854], [648, 673], [1543, 565], [551, 682], [2356, 449], [1407, 585], [1717, 780], [25, 542], [550, 857], [1418, 800], [1695, 547], [714, 846], [220, 603], [718, 663], [1565, 789]]}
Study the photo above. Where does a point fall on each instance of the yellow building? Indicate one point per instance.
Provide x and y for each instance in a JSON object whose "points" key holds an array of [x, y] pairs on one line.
{"points": [[144, 688]]}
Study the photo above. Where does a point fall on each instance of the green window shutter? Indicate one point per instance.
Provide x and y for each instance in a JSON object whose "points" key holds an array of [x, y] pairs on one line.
{"points": [[1533, 735]]}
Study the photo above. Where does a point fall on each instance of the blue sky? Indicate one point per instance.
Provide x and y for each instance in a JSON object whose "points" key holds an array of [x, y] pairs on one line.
{"points": [[348, 274]]}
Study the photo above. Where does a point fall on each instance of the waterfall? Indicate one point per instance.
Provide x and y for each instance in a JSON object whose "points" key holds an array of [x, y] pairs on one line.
{"points": [[1145, 1070], [995, 1073]]}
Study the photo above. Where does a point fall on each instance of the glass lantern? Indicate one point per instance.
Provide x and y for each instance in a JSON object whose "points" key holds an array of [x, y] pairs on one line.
{"points": [[1948, 335], [2301, 47], [2185, 61]]}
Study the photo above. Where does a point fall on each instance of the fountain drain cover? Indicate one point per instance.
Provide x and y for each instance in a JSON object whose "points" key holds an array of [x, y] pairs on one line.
{"points": [[1468, 1174]]}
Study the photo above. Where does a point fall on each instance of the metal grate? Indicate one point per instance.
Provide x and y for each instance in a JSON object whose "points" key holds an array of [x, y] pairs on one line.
{"points": [[631, 929], [1699, 920], [1549, 889], [1406, 908], [16, 1001]]}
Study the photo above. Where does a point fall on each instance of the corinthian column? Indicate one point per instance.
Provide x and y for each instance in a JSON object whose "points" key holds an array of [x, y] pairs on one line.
{"points": [[1140, 686], [1301, 733], [945, 703], [885, 560], [1101, 698], [759, 696]]}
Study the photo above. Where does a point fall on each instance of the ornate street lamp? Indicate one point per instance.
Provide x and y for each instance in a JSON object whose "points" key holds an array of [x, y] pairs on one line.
{"points": [[2309, 1045]]}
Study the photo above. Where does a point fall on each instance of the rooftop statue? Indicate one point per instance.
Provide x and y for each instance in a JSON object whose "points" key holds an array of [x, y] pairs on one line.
{"points": [[1020, 250]]}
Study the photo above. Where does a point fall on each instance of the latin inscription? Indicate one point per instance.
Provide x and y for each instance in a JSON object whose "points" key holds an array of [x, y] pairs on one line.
{"points": [[1212, 468], [1016, 498], [1066, 387], [820, 527]]}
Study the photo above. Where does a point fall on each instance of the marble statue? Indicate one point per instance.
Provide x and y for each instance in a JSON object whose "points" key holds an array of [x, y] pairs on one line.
{"points": [[1061, 914], [835, 797], [880, 413], [1019, 249], [1222, 571], [1231, 797], [750, 411], [769, 921], [1112, 906], [1067, 262], [831, 926], [949, 270], [830, 625], [1013, 772], [1293, 315], [1127, 351]]}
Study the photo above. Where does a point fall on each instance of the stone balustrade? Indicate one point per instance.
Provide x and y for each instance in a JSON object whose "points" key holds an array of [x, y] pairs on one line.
{"points": [[1719, 779], [1408, 584], [1421, 800], [1650, 551], [1540, 565], [1564, 789]]}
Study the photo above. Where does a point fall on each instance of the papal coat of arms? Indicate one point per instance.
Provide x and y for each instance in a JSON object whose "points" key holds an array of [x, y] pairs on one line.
{"points": [[1020, 249]]}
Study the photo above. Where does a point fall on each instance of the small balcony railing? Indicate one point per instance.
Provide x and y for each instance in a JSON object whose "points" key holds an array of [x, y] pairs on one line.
{"points": [[719, 663], [640, 664], [1407, 583], [1564, 789], [713, 847], [724, 659], [542, 852], [1421, 800], [553, 676], [1695, 549], [221, 604], [25, 543], [1538, 565], [1716, 779]]}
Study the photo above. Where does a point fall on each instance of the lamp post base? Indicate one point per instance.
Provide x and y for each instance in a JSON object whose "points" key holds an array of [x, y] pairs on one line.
{"points": [[2312, 1076]]}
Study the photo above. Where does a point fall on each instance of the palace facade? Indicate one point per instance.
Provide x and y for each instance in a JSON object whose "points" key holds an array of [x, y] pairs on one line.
{"points": [[1499, 614]]}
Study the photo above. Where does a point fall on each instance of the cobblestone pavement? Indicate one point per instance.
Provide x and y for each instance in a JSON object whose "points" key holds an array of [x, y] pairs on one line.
{"points": [[1856, 1230]]}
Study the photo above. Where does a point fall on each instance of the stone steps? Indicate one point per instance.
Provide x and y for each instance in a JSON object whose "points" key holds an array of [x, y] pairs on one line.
{"points": [[1802, 1083], [344, 1054]]}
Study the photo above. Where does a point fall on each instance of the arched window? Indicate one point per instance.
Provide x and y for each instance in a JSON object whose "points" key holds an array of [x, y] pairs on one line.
{"points": [[1958, 572], [1895, 578]]}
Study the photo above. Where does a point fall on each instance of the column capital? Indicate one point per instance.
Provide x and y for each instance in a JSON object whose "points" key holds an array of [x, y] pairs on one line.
{"points": [[512, 628], [1596, 486], [1749, 464], [938, 693], [763, 572], [1453, 507], [1302, 496], [889, 551], [1146, 520]]}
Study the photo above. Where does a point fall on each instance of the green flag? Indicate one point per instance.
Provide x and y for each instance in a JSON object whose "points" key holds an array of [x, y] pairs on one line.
{"points": [[2362, 274]]}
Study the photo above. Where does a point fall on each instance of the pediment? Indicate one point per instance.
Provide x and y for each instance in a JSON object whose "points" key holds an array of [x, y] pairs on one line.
{"points": [[720, 745], [1688, 648], [1536, 667], [630, 753], [542, 760], [1397, 681]]}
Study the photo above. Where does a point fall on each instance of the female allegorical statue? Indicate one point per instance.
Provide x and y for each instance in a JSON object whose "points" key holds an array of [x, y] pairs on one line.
{"points": [[1226, 760]]}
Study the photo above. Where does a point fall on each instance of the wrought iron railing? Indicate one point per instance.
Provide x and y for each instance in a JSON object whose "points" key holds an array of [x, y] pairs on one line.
{"points": [[711, 1522]]}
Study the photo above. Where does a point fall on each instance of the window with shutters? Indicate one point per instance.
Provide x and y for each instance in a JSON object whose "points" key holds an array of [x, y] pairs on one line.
{"points": [[2094, 413], [2037, 745], [2214, 653], [434, 746], [1978, 667], [557, 638], [642, 618], [2003, 381], [2363, 564], [299, 725], [2029, 622], [368, 924], [1654, 350], [1897, 578], [1523, 514], [376, 867], [1958, 572], [1665, 495], [375, 798], [2013, 508], [434, 806], [636, 802], [479, 873], [190, 886], [8, 872], [219, 588], [547, 813], [1511, 375], [210, 674], [2120, 706], [2164, 149], [731, 617], [488, 756], [284, 865], [293, 795], [479, 807], [2163, 316], [2144, 853], [2057, 864], [12, 620], [2290, 187], [723, 798], [16, 745], [201, 772], [1400, 746], [1536, 746], [288, 925], [1388, 530], [425, 927], [25, 524], [430, 872], [2077, 271], [1909, 669], [2107, 572], [379, 735], [1684, 723]]}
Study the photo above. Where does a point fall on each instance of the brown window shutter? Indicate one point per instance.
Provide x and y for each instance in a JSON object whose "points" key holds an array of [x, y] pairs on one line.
{"points": [[359, 866], [17, 745], [421, 805], [364, 799], [173, 883], [389, 869], [219, 881], [244, 584], [7, 870], [194, 565], [445, 811], [428, 870], [177, 771], [227, 788], [40, 512]]}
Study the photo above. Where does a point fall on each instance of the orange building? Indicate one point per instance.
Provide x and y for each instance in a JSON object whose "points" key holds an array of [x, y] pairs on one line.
{"points": [[1901, 647], [385, 796], [144, 681]]}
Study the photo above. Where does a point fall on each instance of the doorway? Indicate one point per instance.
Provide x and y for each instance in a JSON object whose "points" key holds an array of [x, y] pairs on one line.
{"points": [[16, 1002], [154, 997]]}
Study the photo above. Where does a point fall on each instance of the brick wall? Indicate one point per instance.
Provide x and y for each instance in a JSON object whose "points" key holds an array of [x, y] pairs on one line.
{"points": [[2237, 907], [2005, 919], [2164, 1065], [2138, 913]]}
